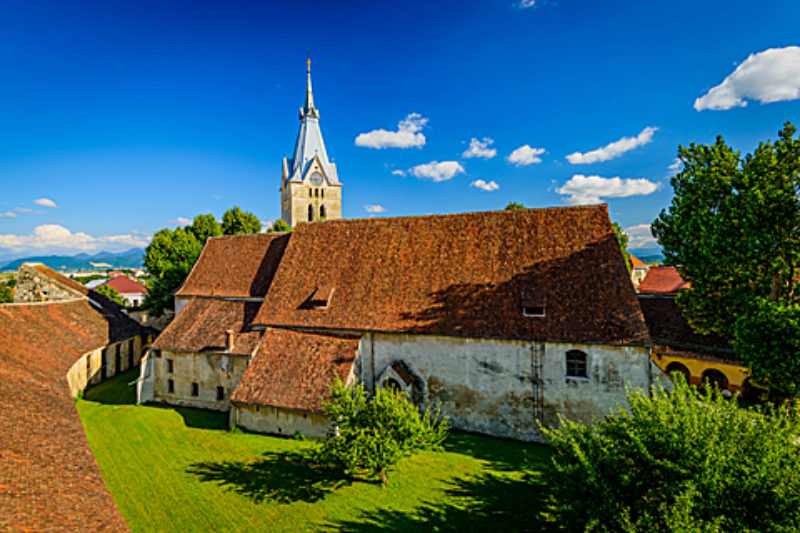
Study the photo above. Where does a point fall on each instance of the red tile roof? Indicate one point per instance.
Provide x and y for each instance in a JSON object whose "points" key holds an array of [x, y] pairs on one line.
{"points": [[292, 369], [235, 266], [126, 285], [202, 325], [49, 479], [635, 261], [663, 280], [461, 274], [672, 334]]}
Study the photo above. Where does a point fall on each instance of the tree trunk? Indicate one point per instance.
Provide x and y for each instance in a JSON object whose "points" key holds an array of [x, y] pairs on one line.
{"points": [[383, 477]]}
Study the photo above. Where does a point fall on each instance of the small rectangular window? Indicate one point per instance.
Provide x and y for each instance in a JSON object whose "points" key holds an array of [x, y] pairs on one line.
{"points": [[170, 386], [170, 368], [220, 393], [533, 303], [576, 364], [195, 390]]}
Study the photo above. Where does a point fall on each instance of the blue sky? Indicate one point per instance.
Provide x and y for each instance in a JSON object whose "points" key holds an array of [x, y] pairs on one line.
{"points": [[128, 116]]}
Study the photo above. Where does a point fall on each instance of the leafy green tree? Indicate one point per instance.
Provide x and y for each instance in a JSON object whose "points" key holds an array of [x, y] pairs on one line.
{"points": [[515, 205], [734, 228], [112, 294], [236, 222], [169, 258], [371, 434], [205, 226], [622, 238], [679, 461], [280, 225], [6, 295]]}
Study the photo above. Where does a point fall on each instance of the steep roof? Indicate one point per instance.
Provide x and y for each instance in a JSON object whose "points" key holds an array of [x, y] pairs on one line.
{"points": [[235, 266], [461, 274], [672, 334], [293, 370], [126, 285], [48, 476], [663, 280], [635, 261], [202, 326]]}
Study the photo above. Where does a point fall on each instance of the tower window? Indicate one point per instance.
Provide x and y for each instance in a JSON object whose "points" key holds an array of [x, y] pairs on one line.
{"points": [[311, 193], [322, 211], [316, 193], [310, 213], [322, 192]]}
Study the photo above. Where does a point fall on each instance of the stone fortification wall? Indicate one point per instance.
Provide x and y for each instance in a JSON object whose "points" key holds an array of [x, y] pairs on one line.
{"points": [[33, 286]]}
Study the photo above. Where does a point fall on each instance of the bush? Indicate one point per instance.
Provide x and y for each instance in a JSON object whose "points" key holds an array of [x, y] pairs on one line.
{"points": [[370, 435], [679, 461]]}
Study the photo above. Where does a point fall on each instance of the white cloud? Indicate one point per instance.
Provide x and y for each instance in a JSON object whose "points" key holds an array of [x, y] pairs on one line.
{"points": [[640, 237], [525, 155], [374, 208], [480, 149], [54, 238], [8, 214], [180, 221], [45, 202], [582, 189], [23, 210], [769, 76], [527, 3], [675, 167], [481, 184], [406, 136], [398, 172], [437, 171], [614, 149]]}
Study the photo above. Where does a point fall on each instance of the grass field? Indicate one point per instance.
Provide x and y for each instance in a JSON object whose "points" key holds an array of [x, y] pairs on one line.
{"points": [[178, 469]]}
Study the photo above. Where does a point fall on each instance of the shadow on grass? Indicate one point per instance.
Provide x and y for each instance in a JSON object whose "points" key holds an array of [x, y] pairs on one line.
{"points": [[501, 454], [279, 477], [196, 418], [114, 391], [486, 503]]}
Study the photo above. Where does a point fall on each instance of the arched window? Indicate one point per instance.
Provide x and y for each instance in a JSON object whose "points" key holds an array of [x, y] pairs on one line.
{"points": [[316, 193], [391, 383], [323, 193], [716, 379], [311, 193], [681, 369], [310, 213], [576, 364], [322, 211]]}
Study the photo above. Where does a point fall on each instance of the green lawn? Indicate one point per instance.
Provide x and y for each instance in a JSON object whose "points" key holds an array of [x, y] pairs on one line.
{"points": [[178, 469]]}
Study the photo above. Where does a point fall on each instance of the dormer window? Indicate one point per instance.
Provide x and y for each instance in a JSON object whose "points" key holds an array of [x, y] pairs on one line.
{"points": [[321, 298], [533, 303]]}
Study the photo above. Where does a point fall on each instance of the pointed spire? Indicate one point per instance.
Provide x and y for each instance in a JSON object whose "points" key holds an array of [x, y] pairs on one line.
{"points": [[308, 109]]}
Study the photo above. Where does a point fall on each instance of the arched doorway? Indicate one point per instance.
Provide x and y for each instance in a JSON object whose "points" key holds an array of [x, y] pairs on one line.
{"points": [[674, 367], [716, 379]]}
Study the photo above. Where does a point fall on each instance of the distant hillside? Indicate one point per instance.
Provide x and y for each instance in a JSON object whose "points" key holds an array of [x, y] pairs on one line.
{"points": [[132, 258], [648, 255]]}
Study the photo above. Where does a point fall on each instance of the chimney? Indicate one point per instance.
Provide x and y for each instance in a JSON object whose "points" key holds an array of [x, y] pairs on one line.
{"points": [[229, 340]]}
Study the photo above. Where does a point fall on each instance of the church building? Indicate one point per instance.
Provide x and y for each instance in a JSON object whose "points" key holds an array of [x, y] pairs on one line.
{"points": [[310, 186]]}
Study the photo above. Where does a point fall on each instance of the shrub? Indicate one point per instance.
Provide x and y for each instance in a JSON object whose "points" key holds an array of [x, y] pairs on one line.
{"points": [[370, 435], [679, 461]]}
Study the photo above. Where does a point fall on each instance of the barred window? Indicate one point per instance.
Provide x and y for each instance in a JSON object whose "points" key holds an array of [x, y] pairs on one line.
{"points": [[576, 364]]}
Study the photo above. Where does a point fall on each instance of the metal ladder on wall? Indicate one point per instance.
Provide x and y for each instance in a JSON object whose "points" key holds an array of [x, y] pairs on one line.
{"points": [[537, 380]]}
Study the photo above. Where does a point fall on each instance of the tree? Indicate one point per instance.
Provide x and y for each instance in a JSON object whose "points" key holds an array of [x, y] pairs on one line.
{"points": [[371, 434], [237, 222], [112, 294], [171, 254], [678, 461], [515, 205], [622, 238], [6, 295], [733, 227], [280, 225]]}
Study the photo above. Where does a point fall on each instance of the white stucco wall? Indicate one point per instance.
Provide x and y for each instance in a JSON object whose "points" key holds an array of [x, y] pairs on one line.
{"points": [[275, 421], [486, 385]]}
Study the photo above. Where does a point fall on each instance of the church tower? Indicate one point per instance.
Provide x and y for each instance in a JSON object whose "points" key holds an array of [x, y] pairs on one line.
{"points": [[310, 187]]}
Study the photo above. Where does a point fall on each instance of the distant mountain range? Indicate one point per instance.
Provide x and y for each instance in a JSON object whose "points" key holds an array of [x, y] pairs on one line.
{"points": [[648, 255], [133, 258]]}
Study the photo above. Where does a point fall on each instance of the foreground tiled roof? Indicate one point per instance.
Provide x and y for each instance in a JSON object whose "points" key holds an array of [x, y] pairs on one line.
{"points": [[672, 334], [202, 327], [461, 274], [126, 285], [49, 480], [663, 280], [236, 266], [293, 370]]}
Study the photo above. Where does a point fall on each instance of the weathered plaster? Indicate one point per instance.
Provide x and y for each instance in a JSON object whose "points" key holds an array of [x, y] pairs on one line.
{"points": [[276, 421]]}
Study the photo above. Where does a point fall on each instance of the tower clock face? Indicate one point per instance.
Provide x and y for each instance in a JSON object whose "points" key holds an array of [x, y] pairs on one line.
{"points": [[316, 178]]}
